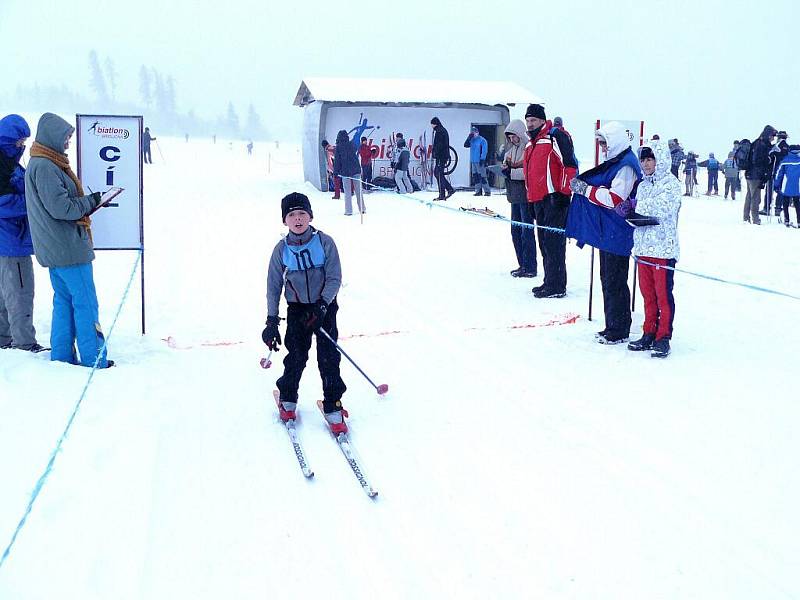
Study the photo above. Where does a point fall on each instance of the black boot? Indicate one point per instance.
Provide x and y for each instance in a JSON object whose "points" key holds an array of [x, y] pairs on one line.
{"points": [[660, 348], [643, 343]]}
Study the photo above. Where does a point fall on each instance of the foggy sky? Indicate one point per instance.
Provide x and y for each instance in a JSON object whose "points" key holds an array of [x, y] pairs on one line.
{"points": [[705, 72]]}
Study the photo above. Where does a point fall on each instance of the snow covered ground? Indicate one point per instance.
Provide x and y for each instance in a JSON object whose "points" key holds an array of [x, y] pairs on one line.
{"points": [[512, 462]]}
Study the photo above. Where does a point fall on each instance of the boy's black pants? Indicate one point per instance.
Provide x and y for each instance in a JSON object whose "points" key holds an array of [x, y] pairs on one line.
{"points": [[298, 342]]}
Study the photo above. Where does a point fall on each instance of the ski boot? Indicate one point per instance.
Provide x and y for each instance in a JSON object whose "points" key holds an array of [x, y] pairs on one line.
{"points": [[336, 421]]}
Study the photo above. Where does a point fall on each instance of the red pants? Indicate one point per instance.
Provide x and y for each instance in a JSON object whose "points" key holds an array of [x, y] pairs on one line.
{"points": [[656, 286]]}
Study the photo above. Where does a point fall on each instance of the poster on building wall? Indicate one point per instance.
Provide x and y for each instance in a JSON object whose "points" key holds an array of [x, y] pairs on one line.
{"points": [[381, 124]]}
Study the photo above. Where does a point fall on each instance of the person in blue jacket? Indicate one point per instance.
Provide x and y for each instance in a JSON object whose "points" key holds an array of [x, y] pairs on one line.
{"points": [[787, 182], [712, 164], [478, 149], [58, 213], [16, 247]]}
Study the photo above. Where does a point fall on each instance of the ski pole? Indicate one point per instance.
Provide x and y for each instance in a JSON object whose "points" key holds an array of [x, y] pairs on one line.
{"points": [[266, 363], [381, 389], [159, 151]]}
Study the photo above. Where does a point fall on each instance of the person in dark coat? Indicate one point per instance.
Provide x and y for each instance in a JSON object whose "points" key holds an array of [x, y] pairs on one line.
{"points": [[146, 139], [16, 246], [347, 166], [441, 154], [757, 174]]}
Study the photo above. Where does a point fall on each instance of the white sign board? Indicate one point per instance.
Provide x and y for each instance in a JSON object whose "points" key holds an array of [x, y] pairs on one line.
{"points": [[109, 154], [634, 129], [379, 124]]}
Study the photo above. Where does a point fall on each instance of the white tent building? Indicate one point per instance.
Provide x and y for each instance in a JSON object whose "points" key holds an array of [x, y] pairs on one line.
{"points": [[379, 108]]}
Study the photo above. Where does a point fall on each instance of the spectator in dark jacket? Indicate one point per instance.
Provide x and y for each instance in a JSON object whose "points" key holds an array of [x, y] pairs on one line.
{"points": [[757, 174], [441, 154], [346, 165], [16, 247], [677, 155]]}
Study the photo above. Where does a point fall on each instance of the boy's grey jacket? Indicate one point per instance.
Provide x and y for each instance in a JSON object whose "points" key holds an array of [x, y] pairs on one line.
{"points": [[53, 203], [303, 286]]}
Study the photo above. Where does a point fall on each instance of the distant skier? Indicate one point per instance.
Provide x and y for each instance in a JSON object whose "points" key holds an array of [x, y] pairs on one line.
{"points": [[146, 139], [712, 164], [308, 262], [250, 147]]}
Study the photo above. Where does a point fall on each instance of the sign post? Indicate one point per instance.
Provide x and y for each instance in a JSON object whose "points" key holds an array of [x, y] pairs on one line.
{"points": [[109, 154]]}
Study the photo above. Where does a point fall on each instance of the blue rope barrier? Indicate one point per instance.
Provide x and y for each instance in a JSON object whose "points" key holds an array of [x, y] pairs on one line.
{"points": [[43, 479], [501, 218]]}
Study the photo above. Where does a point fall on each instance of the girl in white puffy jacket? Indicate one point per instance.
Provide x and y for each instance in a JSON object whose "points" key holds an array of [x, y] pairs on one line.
{"points": [[656, 247]]}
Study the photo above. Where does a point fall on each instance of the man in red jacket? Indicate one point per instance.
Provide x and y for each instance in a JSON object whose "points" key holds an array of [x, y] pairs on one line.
{"points": [[549, 165]]}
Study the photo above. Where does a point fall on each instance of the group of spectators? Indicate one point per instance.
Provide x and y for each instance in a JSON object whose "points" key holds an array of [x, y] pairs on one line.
{"points": [[769, 163], [597, 207], [45, 212]]}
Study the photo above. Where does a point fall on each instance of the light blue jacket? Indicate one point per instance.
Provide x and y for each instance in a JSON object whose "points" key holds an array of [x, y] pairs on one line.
{"points": [[478, 148]]}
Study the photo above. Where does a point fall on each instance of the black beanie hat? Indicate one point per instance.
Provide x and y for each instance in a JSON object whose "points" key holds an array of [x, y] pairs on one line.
{"points": [[535, 110], [646, 152], [295, 201], [435, 121]]}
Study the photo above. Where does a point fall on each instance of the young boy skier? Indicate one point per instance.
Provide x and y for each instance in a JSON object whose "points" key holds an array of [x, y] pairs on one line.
{"points": [[308, 261]]}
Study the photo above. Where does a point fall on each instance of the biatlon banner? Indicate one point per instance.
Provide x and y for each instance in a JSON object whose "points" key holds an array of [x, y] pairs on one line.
{"points": [[109, 155]]}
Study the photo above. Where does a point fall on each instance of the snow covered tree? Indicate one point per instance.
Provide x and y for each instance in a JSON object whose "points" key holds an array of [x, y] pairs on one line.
{"points": [[145, 86], [97, 82], [254, 129], [232, 121], [111, 75], [169, 95]]}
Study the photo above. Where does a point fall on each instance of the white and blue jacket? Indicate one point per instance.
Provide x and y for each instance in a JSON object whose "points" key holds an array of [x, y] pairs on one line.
{"points": [[787, 179]]}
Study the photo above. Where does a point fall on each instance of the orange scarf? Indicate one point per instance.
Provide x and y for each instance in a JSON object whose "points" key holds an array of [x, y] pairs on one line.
{"points": [[61, 160]]}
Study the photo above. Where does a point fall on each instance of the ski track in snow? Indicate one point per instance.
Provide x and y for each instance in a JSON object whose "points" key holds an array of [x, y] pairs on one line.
{"points": [[511, 462]]}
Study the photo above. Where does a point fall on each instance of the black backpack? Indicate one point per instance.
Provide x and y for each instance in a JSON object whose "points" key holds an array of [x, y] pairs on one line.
{"points": [[742, 156]]}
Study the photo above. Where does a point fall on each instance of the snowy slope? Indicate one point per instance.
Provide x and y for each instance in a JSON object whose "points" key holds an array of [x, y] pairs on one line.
{"points": [[512, 462]]}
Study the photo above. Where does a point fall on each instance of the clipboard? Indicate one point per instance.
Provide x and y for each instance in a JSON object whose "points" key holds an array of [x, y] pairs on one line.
{"points": [[107, 197]]}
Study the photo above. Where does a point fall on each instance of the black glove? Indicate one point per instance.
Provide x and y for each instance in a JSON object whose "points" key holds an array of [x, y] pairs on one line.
{"points": [[271, 335], [482, 163], [638, 220], [96, 198], [317, 314]]}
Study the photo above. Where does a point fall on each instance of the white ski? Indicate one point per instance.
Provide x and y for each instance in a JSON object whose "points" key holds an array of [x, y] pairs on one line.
{"points": [[298, 449], [347, 450]]}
